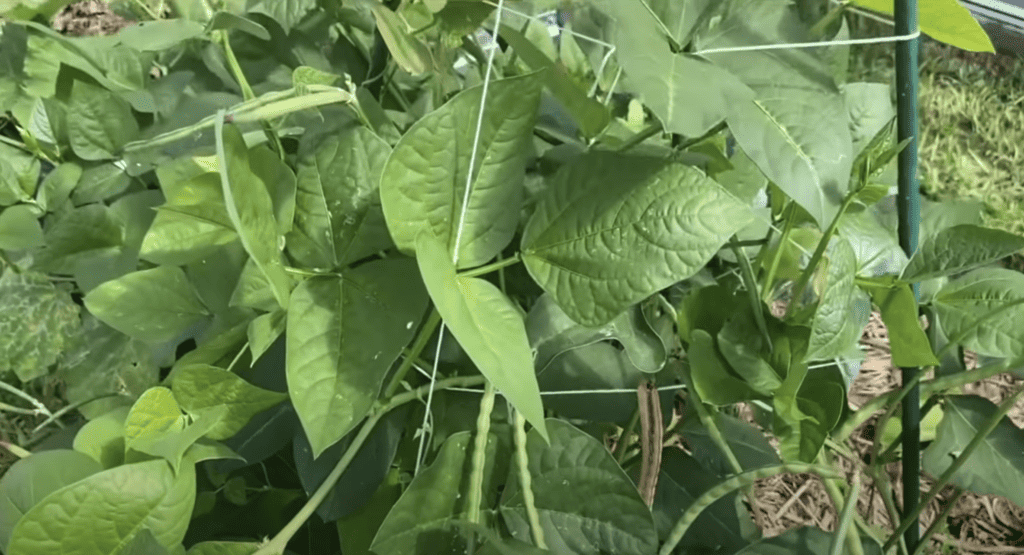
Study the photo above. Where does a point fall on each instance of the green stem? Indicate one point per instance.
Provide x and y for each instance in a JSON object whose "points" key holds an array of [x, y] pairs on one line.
{"points": [[818, 29], [644, 134], [928, 387], [819, 252], [40, 408], [493, 267], [939, 520], [70, 408], [9, 263], [769, 277], [986, 429], [846, 509], [221, 37], [277, 545], [16, 410], [750, 284], [881, 481], [417, 347], [621, 446], [526, 481], [476, 473], [15, 450]]}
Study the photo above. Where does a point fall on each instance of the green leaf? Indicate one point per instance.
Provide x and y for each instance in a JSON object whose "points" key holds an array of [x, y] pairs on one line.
{"points": [[172, 444], [155, 412], [424, 180], [435, 496], [590, 115], [79, 233], [287, 13], [103, 360], [843, 311], [150, 305], [28, 481], [586, 503], [613, 229], [959, 249], [182, 235], [19, 228], [409, 52], [806, 540], [99, 122], [748, 443], [342, 337], [985, 308], [228, 20], [200, 386], [251, 208], [58, 185], [356, 530], [109, 508], [102, 438], [37, 322], [797, 127], [224, 548], [946, 21], [19, 174], [741, 344], [29, 9], [688, 94], [486, 324], [340, 219], [996, 467], [100, 182], [253, 290], [159, 35], [683, 479], [263, 331], [712, 379]]}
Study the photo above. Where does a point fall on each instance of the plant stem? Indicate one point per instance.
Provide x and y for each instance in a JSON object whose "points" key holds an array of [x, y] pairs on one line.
{"points": [[819, 252], [928, 387], [769, 277], [526, 481], [277, 545], [221, 37], [845, 511], [493, 267], [750, 284], [417, 347], [958, 492], [987, 428], [708, 421], [621, 446], [476, 473], [644, 134]]}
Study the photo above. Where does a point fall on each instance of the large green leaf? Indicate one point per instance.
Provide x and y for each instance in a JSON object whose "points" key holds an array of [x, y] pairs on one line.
{"points": [[251, 208], [150, 305], [996, 467], [947, 21], [159, 35], [339, 219], [30, 480], [172, 444], [748, 444], [585, 502], [200, 386], [688, 94], [342, 337], [486, 324], [102, 437], [424, 181], [986, 308], [611, 229], [38, 322], [959, 249], [899, 310], [806, 540], [797, 128], [181, 235], [156, 411], [109, 508], [19, 174], [103, 360], [99, 123], [288, 13]]}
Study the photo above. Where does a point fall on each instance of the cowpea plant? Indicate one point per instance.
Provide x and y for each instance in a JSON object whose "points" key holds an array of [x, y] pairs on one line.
{"points": [[281, 275]]}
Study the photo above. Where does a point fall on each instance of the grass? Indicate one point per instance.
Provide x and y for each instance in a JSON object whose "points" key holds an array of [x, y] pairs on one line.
{"points": [[971, 118]]}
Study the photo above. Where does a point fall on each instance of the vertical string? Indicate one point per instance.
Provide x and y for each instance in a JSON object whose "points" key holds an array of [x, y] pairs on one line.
{"points": [[462, 218]]}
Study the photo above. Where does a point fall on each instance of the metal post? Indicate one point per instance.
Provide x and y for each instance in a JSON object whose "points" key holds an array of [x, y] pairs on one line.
{"points": [[908, 202]]}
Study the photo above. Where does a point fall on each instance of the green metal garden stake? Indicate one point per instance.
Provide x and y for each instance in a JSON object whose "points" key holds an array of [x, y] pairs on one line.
{"points": [[908, 203]]}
